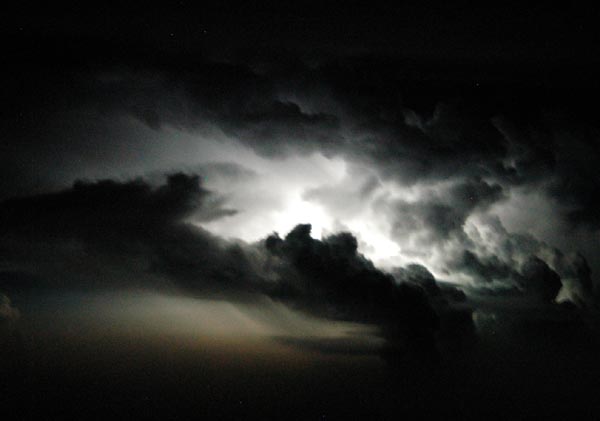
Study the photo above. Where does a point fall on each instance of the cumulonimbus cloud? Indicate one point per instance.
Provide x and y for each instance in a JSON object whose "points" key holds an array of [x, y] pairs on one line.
{"points": [[142, 229]]}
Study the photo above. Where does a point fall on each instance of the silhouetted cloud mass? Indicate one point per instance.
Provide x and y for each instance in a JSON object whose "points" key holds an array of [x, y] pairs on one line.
{"points": [[145, 229]]}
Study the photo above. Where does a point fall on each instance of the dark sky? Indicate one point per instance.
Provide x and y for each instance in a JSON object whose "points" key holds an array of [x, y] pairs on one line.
{"points": [[257, 211]]}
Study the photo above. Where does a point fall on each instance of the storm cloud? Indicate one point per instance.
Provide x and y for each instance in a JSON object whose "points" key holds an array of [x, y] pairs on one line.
{"points": [[135, 230], [411, 189]]}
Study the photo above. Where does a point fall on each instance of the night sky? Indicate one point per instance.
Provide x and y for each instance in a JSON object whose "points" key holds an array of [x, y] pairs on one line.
{"points": [[285, 212]]}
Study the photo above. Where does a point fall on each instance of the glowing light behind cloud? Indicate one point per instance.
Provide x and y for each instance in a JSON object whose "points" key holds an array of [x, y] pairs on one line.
{"points": [[274, 194], [273, 197], [276, 201]]}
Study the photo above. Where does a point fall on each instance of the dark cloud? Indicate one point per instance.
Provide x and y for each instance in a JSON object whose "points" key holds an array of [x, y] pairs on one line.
{"points": [[535, 277], [114, 229], [333, 274], [264, 126], [480, 153], [226, 171], [139, 230], [419, 275], [457, 329], [331, 277], [437, 219], [442, 216], [365, 109], [539, 279], [484, 269], [453, 123], [554, 154], [100, 209], [520, 261]]}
